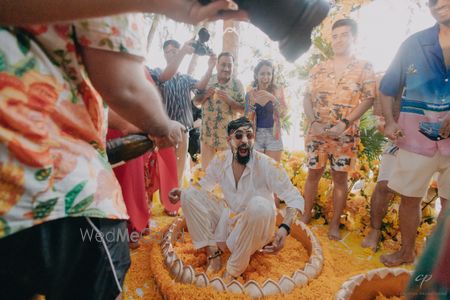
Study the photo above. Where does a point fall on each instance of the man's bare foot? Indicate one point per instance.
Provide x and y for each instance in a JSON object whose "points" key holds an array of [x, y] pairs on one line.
{"points": [[334, 234], [214, 261], [214, 265], [227, 278], [397, 258], [371, 240], [306, 218]]}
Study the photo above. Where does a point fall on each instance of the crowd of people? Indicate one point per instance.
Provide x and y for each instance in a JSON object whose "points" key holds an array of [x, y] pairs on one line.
{"points": [[73, 74]]}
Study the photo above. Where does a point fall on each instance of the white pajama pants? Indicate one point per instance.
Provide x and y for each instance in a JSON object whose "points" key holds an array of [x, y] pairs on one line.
{"points": [[209, 221]]}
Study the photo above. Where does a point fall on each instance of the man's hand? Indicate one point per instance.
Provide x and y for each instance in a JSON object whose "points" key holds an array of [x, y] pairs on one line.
{"points": [[198, 123], [221, 95], [209, 93], [337, 130], [212, 61], [192, 12], [317, 129], [130, 129], [278, 242], [176, 130], [174, 195], [187, 47], [392, 131], [445, 127]]}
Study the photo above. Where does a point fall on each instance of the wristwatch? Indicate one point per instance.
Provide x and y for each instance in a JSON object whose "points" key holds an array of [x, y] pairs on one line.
{"points": [[346, 122]]}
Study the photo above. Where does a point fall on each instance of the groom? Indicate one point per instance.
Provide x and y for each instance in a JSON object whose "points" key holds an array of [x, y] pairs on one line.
{"points": [[243, 222]]}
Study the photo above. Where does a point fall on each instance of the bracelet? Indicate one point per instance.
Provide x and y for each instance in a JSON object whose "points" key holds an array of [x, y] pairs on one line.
{"points": [[286, 227], [346, 122], [216, 254]]}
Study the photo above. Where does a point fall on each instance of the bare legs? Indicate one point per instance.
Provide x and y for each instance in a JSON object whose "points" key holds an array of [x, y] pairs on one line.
{"points": [[409, 222], [276, 155], [379, 203], [310, 191], [181, 153], [340, 190]]}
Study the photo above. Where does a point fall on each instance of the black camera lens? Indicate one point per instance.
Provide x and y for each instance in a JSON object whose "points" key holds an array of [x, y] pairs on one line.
{"points": [[203, 35], [199, 45], [290, 22]]}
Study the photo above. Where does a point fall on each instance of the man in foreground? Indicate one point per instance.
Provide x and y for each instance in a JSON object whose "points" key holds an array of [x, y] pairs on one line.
{"points": [[243, 222], [419, 73]]}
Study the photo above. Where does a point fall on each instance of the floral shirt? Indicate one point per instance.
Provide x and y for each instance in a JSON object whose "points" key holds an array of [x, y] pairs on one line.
{"points": [[53, 122], [419, 74], [216, 114], [333, 98]]}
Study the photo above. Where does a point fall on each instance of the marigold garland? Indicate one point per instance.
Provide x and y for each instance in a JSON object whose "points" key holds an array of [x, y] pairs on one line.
{"points": [[148, 268], [262, 266]]}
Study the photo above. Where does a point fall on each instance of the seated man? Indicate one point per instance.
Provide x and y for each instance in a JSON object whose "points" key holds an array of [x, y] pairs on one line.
{"points": [[244, 221]]}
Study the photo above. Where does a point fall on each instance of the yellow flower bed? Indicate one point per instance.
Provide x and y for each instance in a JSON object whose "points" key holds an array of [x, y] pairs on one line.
{"points": [[262, 266], [341, 261], [356, 216]]}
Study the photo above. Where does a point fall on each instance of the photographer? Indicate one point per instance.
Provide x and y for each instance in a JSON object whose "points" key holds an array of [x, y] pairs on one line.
{"points": [[176, 89]]}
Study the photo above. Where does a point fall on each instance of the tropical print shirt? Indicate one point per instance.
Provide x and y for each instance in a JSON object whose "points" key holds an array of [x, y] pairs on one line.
{"points": [[335, 98], [53, 122], [419, 74], [216, 114]]}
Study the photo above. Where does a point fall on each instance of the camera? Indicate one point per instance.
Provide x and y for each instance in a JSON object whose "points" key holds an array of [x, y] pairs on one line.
{"points": [[199, 45], [290, 22]]}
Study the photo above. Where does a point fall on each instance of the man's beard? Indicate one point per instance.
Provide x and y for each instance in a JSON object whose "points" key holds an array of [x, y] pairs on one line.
{"points": [[243, 160]]}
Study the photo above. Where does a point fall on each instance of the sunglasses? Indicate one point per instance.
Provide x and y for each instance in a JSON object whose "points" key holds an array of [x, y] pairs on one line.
{"points": [[239, 135], [432, 2]]}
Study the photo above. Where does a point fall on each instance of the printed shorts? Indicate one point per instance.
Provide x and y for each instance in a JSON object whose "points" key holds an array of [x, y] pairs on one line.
{"points": [[341, 153]]}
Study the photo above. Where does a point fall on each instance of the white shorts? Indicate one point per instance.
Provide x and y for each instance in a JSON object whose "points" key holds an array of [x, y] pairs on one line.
{"points": [[387, 162], [413, 172]]}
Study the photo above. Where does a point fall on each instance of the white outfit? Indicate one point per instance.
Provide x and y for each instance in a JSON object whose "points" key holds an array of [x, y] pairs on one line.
{"points": [[245, 218]]}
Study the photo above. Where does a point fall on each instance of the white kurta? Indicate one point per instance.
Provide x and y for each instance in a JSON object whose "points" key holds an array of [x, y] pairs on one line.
{"points": [[245, 218]]}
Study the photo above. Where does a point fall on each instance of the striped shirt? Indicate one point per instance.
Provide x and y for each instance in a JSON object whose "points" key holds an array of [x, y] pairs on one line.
{"points": [[176, 94]]}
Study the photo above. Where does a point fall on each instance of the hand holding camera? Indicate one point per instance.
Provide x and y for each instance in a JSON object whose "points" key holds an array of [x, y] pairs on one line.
{"points": [[187, 47], [199, 45], [212, 61]]}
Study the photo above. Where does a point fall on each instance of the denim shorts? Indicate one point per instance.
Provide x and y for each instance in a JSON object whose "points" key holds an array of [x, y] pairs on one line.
{"points": [[265, 141]]}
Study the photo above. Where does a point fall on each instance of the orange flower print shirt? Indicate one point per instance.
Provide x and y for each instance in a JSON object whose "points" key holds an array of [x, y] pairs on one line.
{"points": [[333, 99], [53, 122]]}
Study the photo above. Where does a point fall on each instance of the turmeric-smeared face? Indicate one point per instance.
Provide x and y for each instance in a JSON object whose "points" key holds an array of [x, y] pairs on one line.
{"points": [[241, 142]]}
